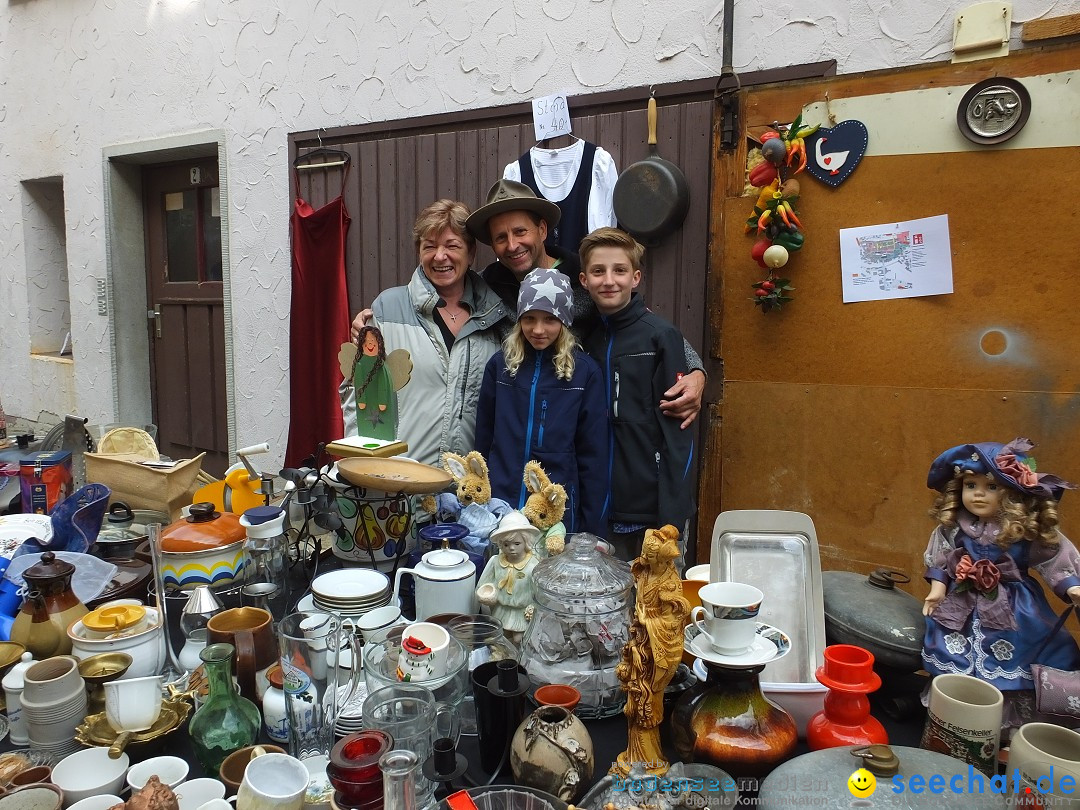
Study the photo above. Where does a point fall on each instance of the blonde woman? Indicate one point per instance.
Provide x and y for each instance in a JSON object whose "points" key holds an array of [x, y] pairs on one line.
{"points": [[543, 399]]}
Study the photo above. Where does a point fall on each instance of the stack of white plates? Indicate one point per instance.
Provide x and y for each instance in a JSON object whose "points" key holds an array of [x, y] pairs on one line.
{"points": [[351, 592], [350, 716]]}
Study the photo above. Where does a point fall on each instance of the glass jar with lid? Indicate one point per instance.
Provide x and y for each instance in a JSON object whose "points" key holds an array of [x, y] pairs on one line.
{"points": [[584, 604]]}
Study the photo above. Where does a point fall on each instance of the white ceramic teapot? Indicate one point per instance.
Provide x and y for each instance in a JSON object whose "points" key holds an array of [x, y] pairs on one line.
{"points": [[445, 580]]}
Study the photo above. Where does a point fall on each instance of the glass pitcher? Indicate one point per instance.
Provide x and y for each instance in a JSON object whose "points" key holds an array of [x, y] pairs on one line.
{"points": [[320, 665]]}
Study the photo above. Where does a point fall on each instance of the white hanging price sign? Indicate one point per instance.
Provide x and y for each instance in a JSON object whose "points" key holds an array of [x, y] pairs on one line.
{"points": [[551, 116]]}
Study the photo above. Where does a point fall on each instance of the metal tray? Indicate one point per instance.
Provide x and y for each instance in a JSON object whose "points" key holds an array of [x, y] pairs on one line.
{"points": [[777, 552]]}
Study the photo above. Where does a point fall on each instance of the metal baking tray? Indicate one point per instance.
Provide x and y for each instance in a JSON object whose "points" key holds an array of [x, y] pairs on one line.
{"points": [[777, 552]]}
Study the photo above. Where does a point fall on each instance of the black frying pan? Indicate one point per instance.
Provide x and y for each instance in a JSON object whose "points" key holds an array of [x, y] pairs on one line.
{"points": [[651, 196]]}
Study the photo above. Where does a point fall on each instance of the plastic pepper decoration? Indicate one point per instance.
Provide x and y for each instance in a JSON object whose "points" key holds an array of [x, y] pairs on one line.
{"points": [[775, 221]]}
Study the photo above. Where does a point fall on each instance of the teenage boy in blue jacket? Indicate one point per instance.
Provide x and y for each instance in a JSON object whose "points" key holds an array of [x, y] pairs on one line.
{"points": [[650, 463]]}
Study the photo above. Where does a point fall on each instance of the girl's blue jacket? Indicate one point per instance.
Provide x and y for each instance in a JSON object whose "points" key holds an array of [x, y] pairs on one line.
{"points": [[563, 424]]}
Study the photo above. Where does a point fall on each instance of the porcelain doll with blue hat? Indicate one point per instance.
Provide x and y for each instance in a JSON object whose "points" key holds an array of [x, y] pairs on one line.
{"points": [[986, 615]]}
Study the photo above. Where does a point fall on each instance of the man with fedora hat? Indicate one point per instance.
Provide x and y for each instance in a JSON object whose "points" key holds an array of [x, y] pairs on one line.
{"points": [[515, 223]]}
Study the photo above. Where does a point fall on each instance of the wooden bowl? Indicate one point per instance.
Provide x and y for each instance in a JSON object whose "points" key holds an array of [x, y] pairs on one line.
{"points": [[393, 475]]}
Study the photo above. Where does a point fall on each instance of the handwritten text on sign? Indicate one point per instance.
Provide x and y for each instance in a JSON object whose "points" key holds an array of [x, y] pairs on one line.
{"points": [[551, 116]]}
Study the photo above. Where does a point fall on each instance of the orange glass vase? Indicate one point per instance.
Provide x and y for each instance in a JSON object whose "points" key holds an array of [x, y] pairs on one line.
{"points": [[845, 718]]}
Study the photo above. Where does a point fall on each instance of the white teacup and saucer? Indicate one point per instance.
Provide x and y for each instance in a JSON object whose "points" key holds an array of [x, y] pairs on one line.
{"points": [[769, 644]]}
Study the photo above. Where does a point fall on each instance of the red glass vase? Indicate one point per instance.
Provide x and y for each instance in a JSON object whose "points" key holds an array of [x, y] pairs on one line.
{"points": [[845, 718]]}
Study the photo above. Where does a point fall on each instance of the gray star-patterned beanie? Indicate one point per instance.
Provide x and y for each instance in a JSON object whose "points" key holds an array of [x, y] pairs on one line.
{"points": [[548, 291]]}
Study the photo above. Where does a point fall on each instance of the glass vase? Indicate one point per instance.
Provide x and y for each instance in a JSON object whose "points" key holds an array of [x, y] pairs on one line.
{"points": [[726, 721], [485, 641], [227, 721], [399, 769]]}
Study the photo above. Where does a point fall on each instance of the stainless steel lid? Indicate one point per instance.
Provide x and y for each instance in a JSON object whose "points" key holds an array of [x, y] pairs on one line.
{"points": [[820, 779], [871, 612]]}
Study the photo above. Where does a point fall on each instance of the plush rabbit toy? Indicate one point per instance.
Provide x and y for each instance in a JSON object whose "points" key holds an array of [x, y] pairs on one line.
{"points": [[471, 505], [544, 508]]}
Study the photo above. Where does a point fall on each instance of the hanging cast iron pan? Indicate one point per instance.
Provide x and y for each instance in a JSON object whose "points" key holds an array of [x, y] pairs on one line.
{"points": [[651, 196]]}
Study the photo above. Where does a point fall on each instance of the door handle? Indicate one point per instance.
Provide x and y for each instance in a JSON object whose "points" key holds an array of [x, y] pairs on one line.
{"points": [[155, 315]]}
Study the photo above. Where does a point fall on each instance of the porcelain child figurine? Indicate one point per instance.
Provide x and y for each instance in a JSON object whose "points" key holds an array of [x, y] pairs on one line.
{"points": [[986, 615], [506, 586], [651, 657]]}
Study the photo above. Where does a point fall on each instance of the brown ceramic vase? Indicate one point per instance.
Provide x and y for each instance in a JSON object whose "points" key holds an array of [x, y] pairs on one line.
{"points": [[711, 723]]}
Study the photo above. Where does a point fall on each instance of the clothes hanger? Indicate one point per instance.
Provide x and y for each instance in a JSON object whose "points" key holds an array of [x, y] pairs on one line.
{"points": [[321, 151]]}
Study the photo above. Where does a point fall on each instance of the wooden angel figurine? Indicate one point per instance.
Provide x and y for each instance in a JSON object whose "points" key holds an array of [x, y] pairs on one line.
{"points": [[372, 380], [652, 655], [986, 615], [506, 587]]}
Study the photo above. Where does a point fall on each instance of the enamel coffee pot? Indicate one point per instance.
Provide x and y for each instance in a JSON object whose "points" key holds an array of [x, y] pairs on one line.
{"points": [[445, 579]]}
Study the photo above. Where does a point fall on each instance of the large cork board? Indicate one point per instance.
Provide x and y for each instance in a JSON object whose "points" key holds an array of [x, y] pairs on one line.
{"points": [[837, 410]]}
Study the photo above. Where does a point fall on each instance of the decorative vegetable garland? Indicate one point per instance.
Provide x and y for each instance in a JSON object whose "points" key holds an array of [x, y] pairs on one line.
{"points": [[774, 220]]}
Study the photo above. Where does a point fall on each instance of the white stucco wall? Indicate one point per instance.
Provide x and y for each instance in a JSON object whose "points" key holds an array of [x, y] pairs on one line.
{"points": [[75, 78]]}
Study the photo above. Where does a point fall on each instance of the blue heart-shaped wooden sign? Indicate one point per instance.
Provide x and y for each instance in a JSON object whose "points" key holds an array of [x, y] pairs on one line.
{"points": [[833, 153]]}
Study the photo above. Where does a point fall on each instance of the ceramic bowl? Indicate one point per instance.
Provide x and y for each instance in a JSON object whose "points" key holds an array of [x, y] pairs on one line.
{"points": [[52, 680], [557, 694], [10, 653], [146, 648], [698, 573], [90, 772], [194, 793], [39, 773], [217, 567], [170, 770], [33, 797], [103, 802], [232, 769]]}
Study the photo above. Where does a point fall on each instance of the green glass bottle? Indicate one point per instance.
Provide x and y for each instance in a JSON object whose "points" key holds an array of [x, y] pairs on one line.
{"points": [[227, 721]]}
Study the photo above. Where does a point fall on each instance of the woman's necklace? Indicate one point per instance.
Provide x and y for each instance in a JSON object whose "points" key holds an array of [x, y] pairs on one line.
{"points": [[453, 316]]}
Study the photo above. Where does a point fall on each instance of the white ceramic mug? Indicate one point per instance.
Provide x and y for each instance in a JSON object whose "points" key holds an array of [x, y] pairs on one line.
{"points": [[375, 625], [170, 771], [273, 782], [728, 615], [963, 720], [133, 705], [194, 793], [1043, 753], [424, 650]]}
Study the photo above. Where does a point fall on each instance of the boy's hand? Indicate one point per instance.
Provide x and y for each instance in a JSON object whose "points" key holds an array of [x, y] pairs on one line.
{"points": [[359, 322], [683, 399]]}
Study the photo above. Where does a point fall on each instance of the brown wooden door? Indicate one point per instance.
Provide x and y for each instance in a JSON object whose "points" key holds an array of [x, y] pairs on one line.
{"points": [[837, 410], [186, 313]]}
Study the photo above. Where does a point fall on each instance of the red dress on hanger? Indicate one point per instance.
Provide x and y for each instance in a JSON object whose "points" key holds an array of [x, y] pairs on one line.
{"points": [[319, 323]]}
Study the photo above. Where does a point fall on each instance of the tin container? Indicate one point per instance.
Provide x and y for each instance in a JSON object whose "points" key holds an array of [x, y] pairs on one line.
{"points": [[45, 480], [777, 552]]}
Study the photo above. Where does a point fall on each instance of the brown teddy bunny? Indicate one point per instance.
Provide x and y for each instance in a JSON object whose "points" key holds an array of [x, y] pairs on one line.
{"points": [[544, 508], [471, 503], [470, 474]]}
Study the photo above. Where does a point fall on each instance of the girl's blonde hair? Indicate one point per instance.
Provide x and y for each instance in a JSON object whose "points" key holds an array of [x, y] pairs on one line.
{"points": [[514, 351], [1027, 517]]}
